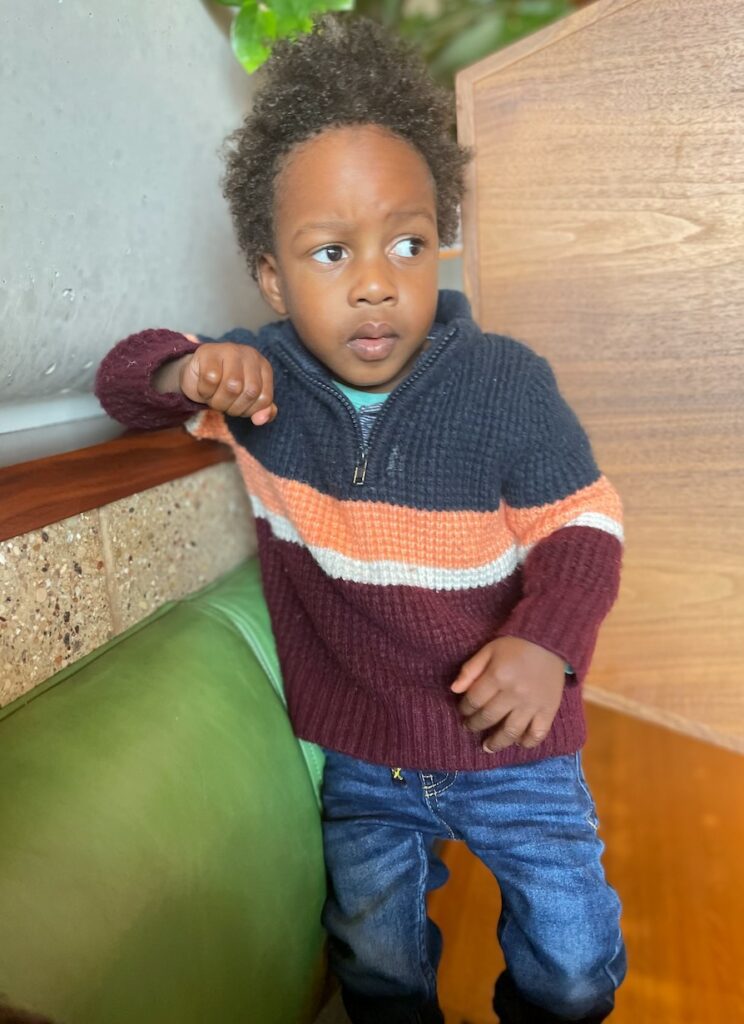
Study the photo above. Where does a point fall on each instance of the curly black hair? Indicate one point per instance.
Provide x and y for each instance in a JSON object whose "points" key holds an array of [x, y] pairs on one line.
{"points": [[346, 71]]}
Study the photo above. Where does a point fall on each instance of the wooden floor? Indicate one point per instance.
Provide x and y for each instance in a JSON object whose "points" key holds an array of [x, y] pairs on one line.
{"points": [[672, 817]]}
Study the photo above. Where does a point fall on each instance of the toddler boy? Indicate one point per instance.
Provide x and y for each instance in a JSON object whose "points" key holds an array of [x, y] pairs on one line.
{"points": [[436, 541]]}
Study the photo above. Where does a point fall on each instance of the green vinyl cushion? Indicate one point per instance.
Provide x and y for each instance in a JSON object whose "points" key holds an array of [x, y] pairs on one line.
{"points": [[160, 846]]}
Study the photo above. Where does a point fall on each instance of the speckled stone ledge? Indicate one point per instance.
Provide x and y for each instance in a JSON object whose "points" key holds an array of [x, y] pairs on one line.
{"points": [[68, 588], [173, 539], [54, 601]]}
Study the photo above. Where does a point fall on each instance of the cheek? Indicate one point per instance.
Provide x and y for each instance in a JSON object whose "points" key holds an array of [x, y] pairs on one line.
{"points": [[424, 277], [422, 291], [314, 317], [315, 296]]}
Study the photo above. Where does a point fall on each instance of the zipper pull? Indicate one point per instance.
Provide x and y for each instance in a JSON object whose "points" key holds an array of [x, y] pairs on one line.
{"points": [[360, 472]]}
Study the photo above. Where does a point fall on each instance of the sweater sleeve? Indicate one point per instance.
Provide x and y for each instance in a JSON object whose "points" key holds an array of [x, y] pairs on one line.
{"points": [[124, 381], [567, 520]]}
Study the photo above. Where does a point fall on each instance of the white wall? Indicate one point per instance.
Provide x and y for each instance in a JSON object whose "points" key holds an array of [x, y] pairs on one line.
{"points": [[111, 217]]}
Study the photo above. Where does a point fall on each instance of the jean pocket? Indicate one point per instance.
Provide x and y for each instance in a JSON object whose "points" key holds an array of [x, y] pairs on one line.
{"points": [[349, 782], [591, 810]]}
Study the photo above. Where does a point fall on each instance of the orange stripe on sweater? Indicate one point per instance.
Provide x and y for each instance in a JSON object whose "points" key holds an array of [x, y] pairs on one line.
{"points": [[534, 524], [372, 530], [210, 425]]}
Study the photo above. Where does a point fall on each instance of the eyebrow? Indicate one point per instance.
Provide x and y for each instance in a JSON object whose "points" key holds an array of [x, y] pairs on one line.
{"points": [[340, 225]]}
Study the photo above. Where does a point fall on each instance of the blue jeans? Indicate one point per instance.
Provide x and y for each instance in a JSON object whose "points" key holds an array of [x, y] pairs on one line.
{"points": [[534, 826]]}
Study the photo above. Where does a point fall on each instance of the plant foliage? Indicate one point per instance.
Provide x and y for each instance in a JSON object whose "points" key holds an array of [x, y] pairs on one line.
{"points": [[258, 25], [451, 34]]}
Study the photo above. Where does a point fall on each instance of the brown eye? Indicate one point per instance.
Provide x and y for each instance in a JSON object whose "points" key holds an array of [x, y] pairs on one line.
{"points": [[329, 254], [409, 247]]}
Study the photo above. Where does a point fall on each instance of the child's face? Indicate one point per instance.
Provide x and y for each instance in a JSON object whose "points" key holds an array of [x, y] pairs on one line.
{"points": [[355, 260]]}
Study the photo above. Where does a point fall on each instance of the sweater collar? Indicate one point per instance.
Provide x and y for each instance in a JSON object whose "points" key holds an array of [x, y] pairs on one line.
{"points": [[452, 305]]}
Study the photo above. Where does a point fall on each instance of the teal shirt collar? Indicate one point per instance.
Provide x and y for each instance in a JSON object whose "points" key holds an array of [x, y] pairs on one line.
{"points": [[361, 398]]}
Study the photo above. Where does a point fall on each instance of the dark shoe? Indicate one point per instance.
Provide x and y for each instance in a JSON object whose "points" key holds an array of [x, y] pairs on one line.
{"points": [[366, 1010], [512, 1008]]}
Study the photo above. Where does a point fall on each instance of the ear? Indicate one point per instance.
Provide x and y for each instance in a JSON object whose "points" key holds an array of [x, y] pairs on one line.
{"points": [[270, 283]]}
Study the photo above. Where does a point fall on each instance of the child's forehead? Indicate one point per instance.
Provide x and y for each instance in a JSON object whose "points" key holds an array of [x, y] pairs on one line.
{"points": [[354, 166], [342, 146]]}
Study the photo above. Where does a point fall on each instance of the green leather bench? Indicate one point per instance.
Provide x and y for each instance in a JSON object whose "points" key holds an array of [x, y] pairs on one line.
{"points": [[160, 845]]}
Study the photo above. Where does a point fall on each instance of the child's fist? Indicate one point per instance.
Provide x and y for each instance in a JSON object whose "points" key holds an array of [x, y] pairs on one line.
{"points": [[234, 379], [514, 685]]}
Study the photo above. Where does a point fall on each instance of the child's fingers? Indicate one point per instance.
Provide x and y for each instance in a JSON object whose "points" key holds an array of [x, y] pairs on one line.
{"points": [[537, 730], [258, 384], [265, 399], [256, 401], [471, 670], [258, 419], [249, 399], [510, 731], [487, 714], [237, 407], [196, 384], [230, 392], [188, 380], [233, 379], [202, 377], [240, 382], [248, 405]]}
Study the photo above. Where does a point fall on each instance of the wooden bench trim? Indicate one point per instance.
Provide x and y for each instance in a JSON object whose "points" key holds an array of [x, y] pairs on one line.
{"points": [[43, 491]]}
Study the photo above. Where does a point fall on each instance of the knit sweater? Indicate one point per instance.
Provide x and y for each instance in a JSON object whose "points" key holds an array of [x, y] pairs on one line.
{"points": [[474, 511]]}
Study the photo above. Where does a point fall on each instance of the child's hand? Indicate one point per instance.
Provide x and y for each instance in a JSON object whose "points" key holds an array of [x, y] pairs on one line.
{"points": [[234, 379], [515, 685]]}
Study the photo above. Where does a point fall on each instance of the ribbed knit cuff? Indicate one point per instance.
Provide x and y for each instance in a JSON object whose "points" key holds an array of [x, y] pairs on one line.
{"points": [[570, 582], [124, 381]]}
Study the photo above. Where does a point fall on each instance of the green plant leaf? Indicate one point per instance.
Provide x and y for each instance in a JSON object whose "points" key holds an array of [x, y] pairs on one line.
{"points": [[482, 37], [542, 9], [288, 10], [298, 12], [248, 38], [465, 31], [292, 17], [334, 5], [531, 15]]}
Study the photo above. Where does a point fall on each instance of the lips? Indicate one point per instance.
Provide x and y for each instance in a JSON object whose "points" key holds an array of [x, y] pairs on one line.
{"points": [[373, 341]]}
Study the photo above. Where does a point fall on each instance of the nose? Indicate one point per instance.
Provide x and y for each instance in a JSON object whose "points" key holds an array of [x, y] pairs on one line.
{"points": [[374, 282]]}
